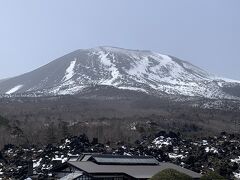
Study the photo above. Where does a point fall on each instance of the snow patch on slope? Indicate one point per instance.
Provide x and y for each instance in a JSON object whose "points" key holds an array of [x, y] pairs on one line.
{"points": [[14, 89], [71, 90], [228, 80], [203, 74], [137, 70], [133, 89], [111, 68], [140, 67], [67, 87], [69, 71], [157, 68]]}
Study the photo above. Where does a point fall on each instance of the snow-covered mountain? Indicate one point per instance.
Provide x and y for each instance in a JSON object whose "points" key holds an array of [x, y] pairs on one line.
{"points": [[137, 70]]}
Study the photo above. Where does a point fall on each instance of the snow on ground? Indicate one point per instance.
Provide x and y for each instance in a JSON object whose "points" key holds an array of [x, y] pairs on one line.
{"points": [[162, 73], [14, 89], [69, 71], [70, 90], [175, 156], [236, 175], [236, 160], [203, 74], [67, 86], [161, 141], [133, 126], [37, 163], [140, 68], [132, 88], [143, 66], [143, 69], [227, 80], [111, 68], [212, 149], [204, 142], [61, 158]]}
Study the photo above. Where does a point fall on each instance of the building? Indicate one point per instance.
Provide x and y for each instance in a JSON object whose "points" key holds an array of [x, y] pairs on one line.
{"points": [[114, 167]]}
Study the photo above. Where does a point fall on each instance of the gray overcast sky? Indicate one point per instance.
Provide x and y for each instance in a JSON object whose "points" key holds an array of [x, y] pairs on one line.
{"points": [[204, 32]]}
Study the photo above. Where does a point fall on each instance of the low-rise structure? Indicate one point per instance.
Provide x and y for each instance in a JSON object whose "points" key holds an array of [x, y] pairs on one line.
{"points": [[114, 167]]}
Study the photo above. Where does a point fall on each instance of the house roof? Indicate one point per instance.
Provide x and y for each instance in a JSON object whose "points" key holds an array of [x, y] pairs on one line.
{"points": [[135, 171], [72, 175], [120, 159]]}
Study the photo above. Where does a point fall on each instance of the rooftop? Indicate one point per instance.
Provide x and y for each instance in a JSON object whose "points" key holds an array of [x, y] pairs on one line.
{"points": [[121, 160], [135, 171]]}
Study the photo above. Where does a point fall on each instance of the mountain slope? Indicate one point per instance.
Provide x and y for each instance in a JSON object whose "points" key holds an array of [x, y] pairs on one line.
{"points": [[145, 71]]}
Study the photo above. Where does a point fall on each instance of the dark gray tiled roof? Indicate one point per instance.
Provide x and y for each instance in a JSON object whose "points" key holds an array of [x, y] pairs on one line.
{"points": [[135, 171], [72, 176], [117, 159]]}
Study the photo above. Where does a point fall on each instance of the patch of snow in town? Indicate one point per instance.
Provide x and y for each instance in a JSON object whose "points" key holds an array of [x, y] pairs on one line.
{"points": [[67, 141], [62, 158], [9, 151], [14, 89], [126, 154], [161, 141], [207, 149], [175, 156], [70, 154], [204, 142], [212, 149], [69, 71], [211, 169], [62, 147], [133, 126], [182, 164], [47, 167], [236, 160], [195, 144], [37, 163], [236, 175], [124, 147], [175, 149]]}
